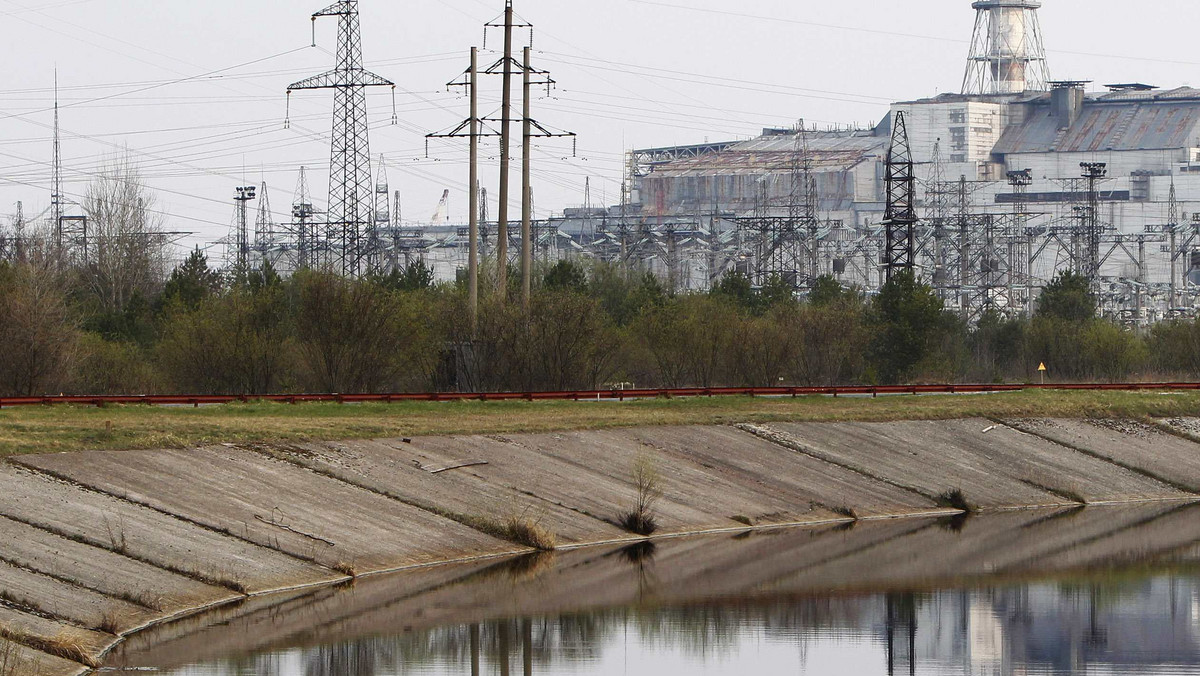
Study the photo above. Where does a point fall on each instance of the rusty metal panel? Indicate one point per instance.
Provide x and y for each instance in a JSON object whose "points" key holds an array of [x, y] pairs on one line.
{"points": [[1121, 123]]}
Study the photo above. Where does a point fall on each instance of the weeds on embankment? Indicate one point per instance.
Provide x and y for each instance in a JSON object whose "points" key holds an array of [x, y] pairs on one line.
{"points": [[65, 644], [70, 428], [955, 499], [517, 528], [641, 519]]}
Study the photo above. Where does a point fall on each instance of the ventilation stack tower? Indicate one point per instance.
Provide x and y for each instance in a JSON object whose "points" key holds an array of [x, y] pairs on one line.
{"points": [[1007, 55]]}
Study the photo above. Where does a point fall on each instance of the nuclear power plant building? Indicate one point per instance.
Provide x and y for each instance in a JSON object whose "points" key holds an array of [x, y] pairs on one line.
{"points": [[1019, 177]]}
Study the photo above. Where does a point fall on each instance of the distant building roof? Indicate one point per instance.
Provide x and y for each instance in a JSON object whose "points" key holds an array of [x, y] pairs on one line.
{"points": [[827, 151], [1132, 119]]}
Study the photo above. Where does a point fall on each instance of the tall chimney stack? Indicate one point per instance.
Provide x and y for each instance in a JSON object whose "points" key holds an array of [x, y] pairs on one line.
{"points": [[1007, 53]]}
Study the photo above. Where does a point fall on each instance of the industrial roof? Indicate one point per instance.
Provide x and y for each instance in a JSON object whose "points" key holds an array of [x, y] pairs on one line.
{"points": [[1124, 120], [827, 151]]}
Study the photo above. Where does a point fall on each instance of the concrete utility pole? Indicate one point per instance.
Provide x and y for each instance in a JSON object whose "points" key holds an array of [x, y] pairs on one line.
{"points": [[505, 138], [473, 252], [526, 189]]}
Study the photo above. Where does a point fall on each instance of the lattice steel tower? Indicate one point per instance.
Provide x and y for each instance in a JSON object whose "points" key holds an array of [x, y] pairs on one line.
{"points": [[351, 193], [1007, 53], [901, 215]]}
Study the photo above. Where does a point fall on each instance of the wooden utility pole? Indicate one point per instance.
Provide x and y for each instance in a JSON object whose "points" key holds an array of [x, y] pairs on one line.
{"points": [[473, 254], [505, 119], [526, 190]]}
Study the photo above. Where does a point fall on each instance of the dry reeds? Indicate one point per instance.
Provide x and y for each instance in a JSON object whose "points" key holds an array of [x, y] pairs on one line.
{"points": [[66, 644]]}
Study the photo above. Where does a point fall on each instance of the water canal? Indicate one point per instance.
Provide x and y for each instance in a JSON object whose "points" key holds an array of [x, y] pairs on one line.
{"points": [[1103, 590]]}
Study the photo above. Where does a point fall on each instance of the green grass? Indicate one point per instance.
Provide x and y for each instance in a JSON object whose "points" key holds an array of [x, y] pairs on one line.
{"points": [[68, 428]]}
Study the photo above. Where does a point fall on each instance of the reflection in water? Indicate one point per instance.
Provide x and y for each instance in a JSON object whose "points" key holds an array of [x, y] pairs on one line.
{"points": [[1080, 591], [1139, 625]]}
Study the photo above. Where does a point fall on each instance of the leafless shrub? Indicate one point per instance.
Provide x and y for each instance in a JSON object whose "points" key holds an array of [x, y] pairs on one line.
{"points": [[648, 484], [37, 330]]}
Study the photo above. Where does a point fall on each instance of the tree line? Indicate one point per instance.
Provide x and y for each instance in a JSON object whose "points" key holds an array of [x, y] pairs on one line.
{"points": [[590, 325], [113, 318]]}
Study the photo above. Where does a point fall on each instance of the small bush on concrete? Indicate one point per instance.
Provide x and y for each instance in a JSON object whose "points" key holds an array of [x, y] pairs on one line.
{"points": [[843, 510], [109, 623], [525, 531], [518, 528], [646, 479], [955, 499]]}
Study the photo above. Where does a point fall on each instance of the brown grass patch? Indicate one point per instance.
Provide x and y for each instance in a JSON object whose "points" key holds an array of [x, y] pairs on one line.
{"points": [[66, 644], [516, 528]]}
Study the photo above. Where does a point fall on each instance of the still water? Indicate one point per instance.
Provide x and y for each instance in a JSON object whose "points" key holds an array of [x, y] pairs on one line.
{"points": [[1081, 592]]}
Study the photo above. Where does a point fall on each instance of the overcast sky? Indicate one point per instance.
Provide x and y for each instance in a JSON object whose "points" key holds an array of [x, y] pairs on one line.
{"points": [[195, 90]]}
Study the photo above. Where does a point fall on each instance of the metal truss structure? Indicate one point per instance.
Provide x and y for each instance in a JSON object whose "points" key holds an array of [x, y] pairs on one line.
{"points": [[1008, 55], [901, 214], [349, 237]]}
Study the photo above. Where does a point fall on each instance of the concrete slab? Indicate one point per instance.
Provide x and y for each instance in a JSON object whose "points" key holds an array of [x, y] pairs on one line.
{"points": [[1131, 443], [401, 470], [553, 481], [592, 473], [275, 504], [998, 468], [84, 607], [17, 660], [759, 466], [104, 571], [149, 536]]}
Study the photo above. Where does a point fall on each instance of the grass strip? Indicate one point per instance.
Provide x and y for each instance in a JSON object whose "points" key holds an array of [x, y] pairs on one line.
{"points": [[73, 428]]}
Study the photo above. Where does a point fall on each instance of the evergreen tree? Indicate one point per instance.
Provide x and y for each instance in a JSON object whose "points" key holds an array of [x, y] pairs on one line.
{"points": [[192, 282], [1069, 297], [906, 317], [566, 276]]}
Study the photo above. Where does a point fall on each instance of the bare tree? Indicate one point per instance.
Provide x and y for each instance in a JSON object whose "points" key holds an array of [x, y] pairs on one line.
{"points": [[36, 330], [125, 254]]}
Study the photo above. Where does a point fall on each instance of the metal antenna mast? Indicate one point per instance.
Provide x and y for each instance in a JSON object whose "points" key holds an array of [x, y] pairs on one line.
{"points": [[350, 157], [56, 196], [900, 216]]}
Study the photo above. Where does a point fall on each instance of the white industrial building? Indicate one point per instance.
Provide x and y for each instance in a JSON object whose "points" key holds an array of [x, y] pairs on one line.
{"points": [[1009, 117]]}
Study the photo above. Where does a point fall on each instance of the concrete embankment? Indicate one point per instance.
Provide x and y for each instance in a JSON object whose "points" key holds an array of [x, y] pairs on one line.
{"points": [[97, 546]]}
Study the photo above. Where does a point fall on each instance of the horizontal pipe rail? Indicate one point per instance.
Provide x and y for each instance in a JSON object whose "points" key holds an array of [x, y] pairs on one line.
{"points": [[581, 395]]}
